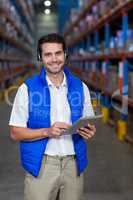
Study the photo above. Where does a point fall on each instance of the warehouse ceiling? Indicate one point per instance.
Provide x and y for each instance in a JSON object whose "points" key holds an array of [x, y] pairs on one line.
{"points": [[40, 7], [39, 4], [59, 9]]}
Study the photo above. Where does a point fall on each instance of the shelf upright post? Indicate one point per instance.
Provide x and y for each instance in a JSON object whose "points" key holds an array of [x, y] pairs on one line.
{"points": [[88, 43], [107, 37], [125, 91], [77, 50], [104, 71], [93, 80], [85, 49], [81, 49], [95, 63], [125, 65], [77, 47], [93, 71], [96, 41], [105, 100], [124, 29], [123, 88]]}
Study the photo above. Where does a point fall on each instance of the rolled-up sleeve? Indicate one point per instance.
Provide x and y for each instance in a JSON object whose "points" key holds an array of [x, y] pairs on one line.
{"points": [[88, 109], [19, 113]]}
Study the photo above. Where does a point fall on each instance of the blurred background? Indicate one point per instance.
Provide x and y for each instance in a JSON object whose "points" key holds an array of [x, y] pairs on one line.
{"points": [[99, 37]]}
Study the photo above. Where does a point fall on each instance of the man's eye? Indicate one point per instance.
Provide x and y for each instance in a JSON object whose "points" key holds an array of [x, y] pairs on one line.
{"points": [[47, 55], [58, 53]]}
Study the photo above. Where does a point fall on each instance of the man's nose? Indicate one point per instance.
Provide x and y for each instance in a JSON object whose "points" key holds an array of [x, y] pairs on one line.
{"points": [[54, 58]]}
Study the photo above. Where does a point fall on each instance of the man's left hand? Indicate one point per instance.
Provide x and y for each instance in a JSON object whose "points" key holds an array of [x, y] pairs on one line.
{"points": [[87, 132]]}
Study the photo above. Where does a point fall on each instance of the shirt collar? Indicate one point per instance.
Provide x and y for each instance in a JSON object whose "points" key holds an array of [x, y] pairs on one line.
{"points": [[63, 84]]}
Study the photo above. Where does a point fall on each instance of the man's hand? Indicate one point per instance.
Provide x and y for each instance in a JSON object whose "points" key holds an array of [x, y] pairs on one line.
{"points": [[87, 132], [57, 128]]}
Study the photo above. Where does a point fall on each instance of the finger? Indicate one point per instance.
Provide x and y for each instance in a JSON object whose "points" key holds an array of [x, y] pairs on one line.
{"points": [[91, 126], [84, 134], [57, 131], [62, 125], [55, 135], [87, 131]]}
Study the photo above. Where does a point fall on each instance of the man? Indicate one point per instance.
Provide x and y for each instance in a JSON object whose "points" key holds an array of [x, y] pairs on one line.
{"points": [[45, 106]]}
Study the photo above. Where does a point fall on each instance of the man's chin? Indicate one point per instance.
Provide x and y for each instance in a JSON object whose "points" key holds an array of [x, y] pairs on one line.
{"points": [[55, 70]]}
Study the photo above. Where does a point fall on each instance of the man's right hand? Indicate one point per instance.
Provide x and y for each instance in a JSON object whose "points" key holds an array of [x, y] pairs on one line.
{"points": [[21, 134], [56, 129]]}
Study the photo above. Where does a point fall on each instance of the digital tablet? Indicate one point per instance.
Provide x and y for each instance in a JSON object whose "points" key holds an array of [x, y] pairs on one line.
{"points": [[82, 122]]}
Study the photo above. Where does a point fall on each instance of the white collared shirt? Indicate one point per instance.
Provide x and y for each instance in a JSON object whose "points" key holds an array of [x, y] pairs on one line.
{"points": [[60, 112]]}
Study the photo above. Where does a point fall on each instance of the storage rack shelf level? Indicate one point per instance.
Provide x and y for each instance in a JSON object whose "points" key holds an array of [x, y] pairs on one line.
{"points": [[26, 14], [82, 14], [117, 56], [14, 42], [8, 19], [12, 73], [12, 57], [94, 86]]}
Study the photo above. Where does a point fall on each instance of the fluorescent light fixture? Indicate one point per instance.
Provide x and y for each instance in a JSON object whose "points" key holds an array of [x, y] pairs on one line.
{"points": [[47, 3], [47, 11]]}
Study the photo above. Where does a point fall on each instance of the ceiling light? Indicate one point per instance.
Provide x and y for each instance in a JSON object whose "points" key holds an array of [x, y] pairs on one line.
{"points": [[47, 11], [47, 3]]}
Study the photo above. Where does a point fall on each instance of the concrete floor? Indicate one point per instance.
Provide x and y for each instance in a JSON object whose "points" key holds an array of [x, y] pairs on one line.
{"points": [[108, 177]]}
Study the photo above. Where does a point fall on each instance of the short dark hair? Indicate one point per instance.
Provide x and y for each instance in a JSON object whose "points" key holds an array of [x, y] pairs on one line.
{"points": [[50, 38]]}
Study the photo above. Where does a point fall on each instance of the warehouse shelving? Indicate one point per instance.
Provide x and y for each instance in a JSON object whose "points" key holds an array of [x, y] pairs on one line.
{"points": [[16, 43], [78, 42], [82, 14], [111, 15], [19, 31], [25, 13], [16, 39]]}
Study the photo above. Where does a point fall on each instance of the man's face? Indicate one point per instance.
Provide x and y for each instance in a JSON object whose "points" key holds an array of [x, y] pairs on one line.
{"points": [[53, 57]]}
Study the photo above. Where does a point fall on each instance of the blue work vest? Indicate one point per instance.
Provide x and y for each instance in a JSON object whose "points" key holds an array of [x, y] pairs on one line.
{"points": [[32, 152]]}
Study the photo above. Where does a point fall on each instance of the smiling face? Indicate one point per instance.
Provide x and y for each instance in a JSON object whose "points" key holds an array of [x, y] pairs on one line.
{"points": [[53, 57]]}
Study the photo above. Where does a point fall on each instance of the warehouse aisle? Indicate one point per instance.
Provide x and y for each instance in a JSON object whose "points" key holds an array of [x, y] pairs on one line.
{"points": [[108, 177]]}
